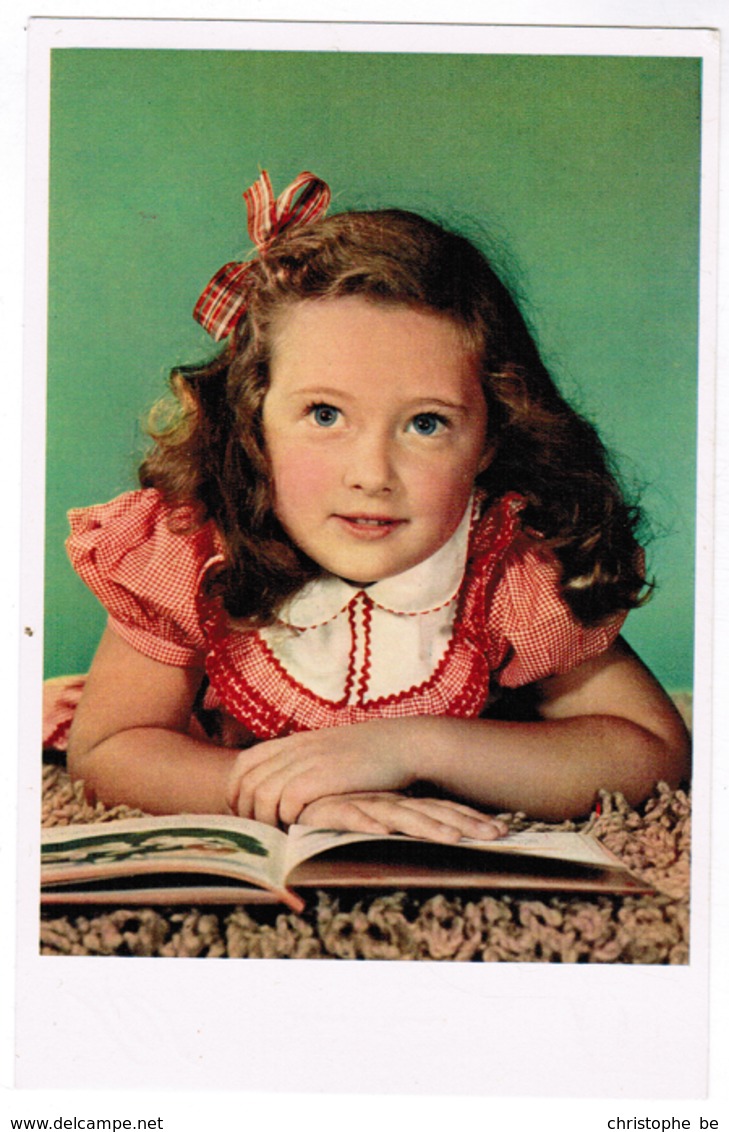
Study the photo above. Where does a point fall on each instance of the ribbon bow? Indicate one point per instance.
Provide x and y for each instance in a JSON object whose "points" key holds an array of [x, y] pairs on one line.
{"points": [[225, 298]]}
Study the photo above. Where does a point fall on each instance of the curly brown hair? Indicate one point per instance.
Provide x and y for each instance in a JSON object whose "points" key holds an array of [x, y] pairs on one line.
{"points": [[212, 452]]}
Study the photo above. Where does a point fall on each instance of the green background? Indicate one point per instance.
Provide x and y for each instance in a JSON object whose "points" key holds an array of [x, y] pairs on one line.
{"points": [[584, 172]]}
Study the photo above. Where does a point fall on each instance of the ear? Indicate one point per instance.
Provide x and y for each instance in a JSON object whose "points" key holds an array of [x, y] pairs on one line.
{"points": [[487, 458]]}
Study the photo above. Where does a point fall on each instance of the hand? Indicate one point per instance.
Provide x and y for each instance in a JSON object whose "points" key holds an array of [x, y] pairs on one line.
{"points": [[273, 781], [434, 818]]}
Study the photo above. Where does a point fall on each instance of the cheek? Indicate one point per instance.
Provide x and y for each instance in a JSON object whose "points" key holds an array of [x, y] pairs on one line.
{"points": [[445, 486], [439, 500], [443, 493], [298, 477]]}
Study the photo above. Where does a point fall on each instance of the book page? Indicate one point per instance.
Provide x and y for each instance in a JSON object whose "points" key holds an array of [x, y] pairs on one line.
{"points": [[562, 845], [577, 848], [221, 845]]}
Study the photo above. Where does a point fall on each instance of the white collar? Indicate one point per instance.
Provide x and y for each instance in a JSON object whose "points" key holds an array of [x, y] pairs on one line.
{"points": [[420, 589]]}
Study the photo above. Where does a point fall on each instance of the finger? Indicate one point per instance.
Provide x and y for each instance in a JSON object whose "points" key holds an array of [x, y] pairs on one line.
{"points": [[471, 822], [387, 812], [279, 793], [237, 801], [297, 758], [424, 817], [415, 822], [308, 784], [265, 797], [343, 815], [468, 811], [318, 777], [258, 786], [251, 767]]}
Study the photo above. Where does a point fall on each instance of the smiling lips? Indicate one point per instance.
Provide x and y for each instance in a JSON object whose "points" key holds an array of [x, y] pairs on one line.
{"points": [[369, 526]]}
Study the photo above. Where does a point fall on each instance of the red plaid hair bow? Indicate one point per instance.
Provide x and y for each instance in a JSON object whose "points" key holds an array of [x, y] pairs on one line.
{"points": [[226, 296]]}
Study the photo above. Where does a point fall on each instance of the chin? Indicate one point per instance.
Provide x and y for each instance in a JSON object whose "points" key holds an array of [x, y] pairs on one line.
{"points": [[363, 576], [359, 572]]}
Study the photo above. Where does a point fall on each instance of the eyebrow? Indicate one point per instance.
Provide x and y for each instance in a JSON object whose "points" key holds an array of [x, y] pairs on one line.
{"points": [[440, 402], [324, 392]]}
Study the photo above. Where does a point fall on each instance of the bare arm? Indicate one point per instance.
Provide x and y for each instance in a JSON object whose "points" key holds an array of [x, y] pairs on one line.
{"points": [[607, 724], [129, 740], [129, 743]]}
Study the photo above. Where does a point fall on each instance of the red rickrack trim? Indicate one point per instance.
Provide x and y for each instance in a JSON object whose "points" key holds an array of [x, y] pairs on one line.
{"points": [[352, 659], [458, 686], [364, 676], [264, 713], [268, 720]]}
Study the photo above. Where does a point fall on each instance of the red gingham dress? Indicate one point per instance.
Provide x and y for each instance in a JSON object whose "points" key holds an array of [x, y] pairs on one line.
{"points": [[511, 625]]}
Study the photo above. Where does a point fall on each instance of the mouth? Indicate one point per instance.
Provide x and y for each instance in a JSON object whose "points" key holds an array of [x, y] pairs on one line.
{"points": [[369, 526]]}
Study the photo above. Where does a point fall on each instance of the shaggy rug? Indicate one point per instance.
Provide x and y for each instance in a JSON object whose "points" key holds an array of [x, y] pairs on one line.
{"points": [[653, 929]]}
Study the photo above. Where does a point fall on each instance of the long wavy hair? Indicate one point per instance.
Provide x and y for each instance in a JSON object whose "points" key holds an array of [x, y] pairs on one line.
{"points": [[210, 450]]}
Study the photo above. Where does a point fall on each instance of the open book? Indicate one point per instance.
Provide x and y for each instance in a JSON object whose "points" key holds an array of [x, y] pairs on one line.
{"points": [[216, 859]]}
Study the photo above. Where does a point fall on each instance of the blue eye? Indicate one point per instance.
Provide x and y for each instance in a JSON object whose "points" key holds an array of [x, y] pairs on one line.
{"points": [[324, 415], [427, 424]]}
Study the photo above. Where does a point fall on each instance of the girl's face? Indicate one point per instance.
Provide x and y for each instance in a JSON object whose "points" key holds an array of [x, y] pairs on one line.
{"points": [[375, 426]]}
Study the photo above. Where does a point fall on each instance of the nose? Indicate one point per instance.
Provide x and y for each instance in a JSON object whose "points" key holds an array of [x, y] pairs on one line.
{"points": [[370, 466]]}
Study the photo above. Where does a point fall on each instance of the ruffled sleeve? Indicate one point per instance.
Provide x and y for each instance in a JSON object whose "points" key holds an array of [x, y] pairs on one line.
{"points": [[532, 628], [146, 571]]}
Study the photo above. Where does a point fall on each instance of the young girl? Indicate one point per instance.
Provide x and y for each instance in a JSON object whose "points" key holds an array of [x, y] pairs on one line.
{"points": [[376, 572]]}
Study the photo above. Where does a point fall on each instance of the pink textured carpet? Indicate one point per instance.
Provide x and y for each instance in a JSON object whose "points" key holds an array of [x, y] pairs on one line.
{"points": [[654, 841]]}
